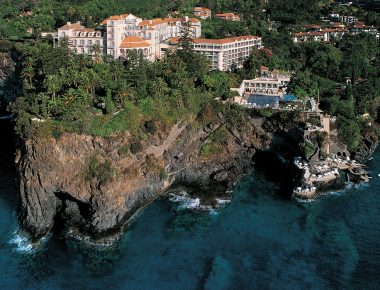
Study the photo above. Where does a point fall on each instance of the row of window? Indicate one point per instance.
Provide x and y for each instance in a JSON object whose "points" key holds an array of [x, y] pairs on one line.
{"points": [[82, 42], [243, 46], [261, 85], [89, 34]]}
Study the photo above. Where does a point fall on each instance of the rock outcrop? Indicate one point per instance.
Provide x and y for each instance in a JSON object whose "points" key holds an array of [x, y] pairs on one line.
{"points": [[57, 185], [10, 81]]}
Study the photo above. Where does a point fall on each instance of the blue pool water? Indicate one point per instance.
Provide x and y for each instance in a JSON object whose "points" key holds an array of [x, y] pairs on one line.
{"points": [[259, 241]]}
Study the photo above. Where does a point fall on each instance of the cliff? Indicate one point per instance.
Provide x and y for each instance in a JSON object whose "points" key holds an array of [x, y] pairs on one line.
{"points": [[10, 71], [93, 185]]}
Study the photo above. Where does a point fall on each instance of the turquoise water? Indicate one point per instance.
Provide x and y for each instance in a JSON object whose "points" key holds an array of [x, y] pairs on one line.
{"points": [[259, 241]]}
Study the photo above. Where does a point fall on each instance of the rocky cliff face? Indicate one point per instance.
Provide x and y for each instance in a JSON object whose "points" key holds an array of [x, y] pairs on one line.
{"points": [[56, 185], [10, 82]]}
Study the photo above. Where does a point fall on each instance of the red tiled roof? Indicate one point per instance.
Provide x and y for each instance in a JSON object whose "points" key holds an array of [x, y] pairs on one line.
{"points": [[69, 25], [201, 9], [318, 33], [313, 26], [134, 42], [115, 17], [157, 21], [226, 14]]}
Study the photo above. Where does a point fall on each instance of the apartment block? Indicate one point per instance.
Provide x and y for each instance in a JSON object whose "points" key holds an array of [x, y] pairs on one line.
{"points": [[227, 53]]}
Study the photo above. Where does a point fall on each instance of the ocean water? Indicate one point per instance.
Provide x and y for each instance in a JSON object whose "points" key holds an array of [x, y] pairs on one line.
{"points": [[258, 241]]}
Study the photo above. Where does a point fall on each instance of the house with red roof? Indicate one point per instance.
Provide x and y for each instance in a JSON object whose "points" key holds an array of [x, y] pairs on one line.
{"points": [[227, 16]]}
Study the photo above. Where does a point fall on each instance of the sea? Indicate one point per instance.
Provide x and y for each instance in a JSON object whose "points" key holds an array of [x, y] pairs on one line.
{"points": [[259, 240]]}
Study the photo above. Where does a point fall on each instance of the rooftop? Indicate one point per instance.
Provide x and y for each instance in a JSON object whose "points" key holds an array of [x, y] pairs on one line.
{"points": [[134, 42], [70, 25], [217, 41]]}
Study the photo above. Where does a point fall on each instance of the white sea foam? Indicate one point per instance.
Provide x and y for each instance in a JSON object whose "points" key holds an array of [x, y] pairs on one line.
{"points": [[184, 201], [222, 201], [187, 202], [22, 243], [303, 200]]}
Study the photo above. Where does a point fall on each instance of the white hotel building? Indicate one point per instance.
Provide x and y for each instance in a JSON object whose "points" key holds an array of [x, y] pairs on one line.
{"points": [[227, 53], [120, 33]]}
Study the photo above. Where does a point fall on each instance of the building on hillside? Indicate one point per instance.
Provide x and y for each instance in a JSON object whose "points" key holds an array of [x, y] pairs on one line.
{"points": [[334, 32], [228, 16], [227, 53], [138, 44], [202, 12], [155, 31], [317, 34], [360, 27], [266, 90], [81, 40], [348, 19], [113, 38]]}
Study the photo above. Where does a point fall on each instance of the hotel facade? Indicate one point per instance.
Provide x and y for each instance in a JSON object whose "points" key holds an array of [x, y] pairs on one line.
{"points": [[227, 53], [120, 33]]}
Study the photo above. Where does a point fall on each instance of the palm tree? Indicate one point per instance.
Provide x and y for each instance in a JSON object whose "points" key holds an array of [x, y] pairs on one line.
{"points": [[28, 70], [53, 85]]}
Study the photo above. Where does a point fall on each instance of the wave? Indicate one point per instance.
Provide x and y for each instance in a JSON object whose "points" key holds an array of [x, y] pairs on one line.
{"points": [[22, 243], [185, 201]]}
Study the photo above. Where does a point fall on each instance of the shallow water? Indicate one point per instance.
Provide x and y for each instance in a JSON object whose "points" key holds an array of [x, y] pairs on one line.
{"points": [[258, 241]]}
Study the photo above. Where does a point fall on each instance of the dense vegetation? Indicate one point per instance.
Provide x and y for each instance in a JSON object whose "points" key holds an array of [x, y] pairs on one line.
{"points": [[65, 92], [323, 70], [102, 97]]}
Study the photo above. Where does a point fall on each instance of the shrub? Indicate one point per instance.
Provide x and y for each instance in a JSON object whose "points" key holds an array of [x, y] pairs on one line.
{"points": [[123, 150], [150, 127], [163, 174], [102, 171], [210, 150], [220, 136], [153, 165], [308, 149], [266, 113], [43, 132], [135, 146]]}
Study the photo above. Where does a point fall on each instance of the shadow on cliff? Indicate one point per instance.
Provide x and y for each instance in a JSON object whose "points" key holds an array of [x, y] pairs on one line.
{"points": [[8, 187], [277, 163]]}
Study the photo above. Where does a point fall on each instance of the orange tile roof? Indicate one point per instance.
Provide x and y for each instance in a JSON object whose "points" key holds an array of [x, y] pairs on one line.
{"points": [[115, 17], [134, 42], [226, 14], [318, 33], [201, 9], [157, 21], [313, 26], [69, 25]]}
